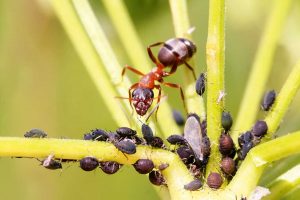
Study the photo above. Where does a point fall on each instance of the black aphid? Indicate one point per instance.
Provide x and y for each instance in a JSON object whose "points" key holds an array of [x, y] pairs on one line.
{"points": [[50, 163], [260, 128], [143, 166], [126, 146], [176, 139], [109, 167], [203, 126], [244, 150], [193, 136], [97, 134], [214, 180], [226, 145], [268, 100], [89, 163], [157, 142], [245, 138], [35, 133], [125, 132], [200, 84], [177, 116], [147, 133], [163, 166], [156, 178], [226, 121], [186, 154], [193, 185]]}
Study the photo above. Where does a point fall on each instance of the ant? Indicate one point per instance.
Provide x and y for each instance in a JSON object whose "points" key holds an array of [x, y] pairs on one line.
{"points": [[174, 52]]}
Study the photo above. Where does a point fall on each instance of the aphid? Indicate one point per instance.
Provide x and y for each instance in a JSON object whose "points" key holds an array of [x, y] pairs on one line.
{"points": [[260, 128], [125, 132], [245, 138], [109, 167], [156, 178], [176, 139], [89, 163], [125, 146], [200, 84], [174, 52], [203, 126], [268, 100], [157, 142], [193, 185], [186, 154], [226, 145], [214, 180], [147, 133], [244, 150], [143, 166], [50, 163], [193, 136], [35, 133], [97, 134], [205, 146], [222, 94], [226, 121], [228, 166], [163, 166], [178, 118]]}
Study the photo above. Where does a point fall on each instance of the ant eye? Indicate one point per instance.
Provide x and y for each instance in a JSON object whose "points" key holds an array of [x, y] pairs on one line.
{"points": [[193, 185], [110, 167], [214, 180], [89, 163], [143, 166]]}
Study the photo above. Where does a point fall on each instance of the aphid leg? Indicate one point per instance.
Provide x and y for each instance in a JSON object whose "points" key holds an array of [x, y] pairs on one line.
{"points": [[173, 85], [152, 57], [127, 67]]}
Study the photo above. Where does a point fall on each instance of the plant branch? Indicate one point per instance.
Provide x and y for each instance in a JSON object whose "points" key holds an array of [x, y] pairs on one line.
{"points": [[215, 48], [261, 68], [257, 159], [283, 100], [181, 23]]}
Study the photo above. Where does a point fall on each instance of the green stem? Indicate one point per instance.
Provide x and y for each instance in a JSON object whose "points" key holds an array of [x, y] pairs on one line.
{"points": [[283, 100], [284, 183], [181, 25], [215, 48], [67, 15], [261, 68], [257, 159]]}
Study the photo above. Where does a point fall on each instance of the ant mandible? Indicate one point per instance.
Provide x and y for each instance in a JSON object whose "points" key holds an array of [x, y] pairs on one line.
{"points": [[174, 52]]}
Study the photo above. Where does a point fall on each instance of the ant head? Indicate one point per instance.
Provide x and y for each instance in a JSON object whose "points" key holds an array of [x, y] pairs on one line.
{"points": [[142, 99]]}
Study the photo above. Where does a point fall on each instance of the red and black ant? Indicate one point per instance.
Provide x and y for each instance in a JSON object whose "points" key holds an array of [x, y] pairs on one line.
{"points": [[174, 52]]}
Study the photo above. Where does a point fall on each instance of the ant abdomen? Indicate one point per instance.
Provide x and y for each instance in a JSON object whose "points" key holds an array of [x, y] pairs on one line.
{"points": [[176, 49]]}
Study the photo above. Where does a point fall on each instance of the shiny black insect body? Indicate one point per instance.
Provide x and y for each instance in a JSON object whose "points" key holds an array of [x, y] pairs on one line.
{"points": [[147, 133], [176, 139], [177, 116], [89, 163], [268, 100], [156, 178], [97, 134], [260, 128], [109, 167], [193, 185], [200, 84], [125, 146], [214, 180], [143, 166], [226, 121], [50, 163], [125, 132]]}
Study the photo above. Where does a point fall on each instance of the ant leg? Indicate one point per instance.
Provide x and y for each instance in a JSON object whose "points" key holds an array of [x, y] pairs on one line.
{"points": [[152, 57], [174, 66], [127, 67], [158, 99], [173, 85], [190, 68], [129, 94]]}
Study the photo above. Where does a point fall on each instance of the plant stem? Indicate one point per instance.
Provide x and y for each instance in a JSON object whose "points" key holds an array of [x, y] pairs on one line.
{"points": [[257, 159], [261, 68], [126, 31], [284, 184], [181, 25], [67, 15], [215, 48], [283, 100]]}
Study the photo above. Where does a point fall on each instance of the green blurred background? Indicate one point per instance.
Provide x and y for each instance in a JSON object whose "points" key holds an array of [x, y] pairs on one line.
{"points": [[43, 84]]}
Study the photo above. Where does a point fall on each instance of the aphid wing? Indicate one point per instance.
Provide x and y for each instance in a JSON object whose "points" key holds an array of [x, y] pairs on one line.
{"points": [[193, 135]]}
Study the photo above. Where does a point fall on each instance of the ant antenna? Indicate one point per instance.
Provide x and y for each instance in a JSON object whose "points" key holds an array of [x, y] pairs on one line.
{"points": [[164, 98]]}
